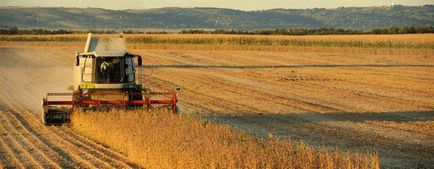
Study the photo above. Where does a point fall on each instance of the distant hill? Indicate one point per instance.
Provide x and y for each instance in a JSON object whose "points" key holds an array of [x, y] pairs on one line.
{"points": [[217, 18]]}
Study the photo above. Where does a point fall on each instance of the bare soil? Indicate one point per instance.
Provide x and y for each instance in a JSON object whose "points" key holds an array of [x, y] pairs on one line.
{"points": [[359, 102]]}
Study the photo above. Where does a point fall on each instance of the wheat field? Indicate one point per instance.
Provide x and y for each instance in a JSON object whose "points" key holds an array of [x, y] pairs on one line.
{"points": [[305, 104], [160, 139]]}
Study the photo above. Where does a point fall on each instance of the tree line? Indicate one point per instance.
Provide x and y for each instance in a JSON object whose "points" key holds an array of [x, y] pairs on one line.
{"points": [[291, 31]]}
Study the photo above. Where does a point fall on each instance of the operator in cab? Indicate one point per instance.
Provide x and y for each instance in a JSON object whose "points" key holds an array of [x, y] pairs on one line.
{"points": [[108, 70]]}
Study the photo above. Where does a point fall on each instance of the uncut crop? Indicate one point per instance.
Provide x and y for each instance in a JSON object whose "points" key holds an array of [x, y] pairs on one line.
{"points": [[160, 139], [341, 41]]}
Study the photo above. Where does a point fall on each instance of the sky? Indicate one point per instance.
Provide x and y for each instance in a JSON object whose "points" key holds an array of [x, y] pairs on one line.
{"points": [[233, 4]]}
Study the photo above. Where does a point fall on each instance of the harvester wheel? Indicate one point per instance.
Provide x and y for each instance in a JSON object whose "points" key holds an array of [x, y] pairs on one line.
{"points": [[52, 115]]}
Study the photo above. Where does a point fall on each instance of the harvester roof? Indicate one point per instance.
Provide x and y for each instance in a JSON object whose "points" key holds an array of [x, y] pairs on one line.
{"points": [[106, 46]]}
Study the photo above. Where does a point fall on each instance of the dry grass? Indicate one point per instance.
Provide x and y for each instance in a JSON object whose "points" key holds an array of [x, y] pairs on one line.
{"points": [[163, 140]]}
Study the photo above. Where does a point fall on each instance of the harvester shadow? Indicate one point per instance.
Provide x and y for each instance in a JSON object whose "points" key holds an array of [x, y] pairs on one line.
{"points": [[184, 66]]}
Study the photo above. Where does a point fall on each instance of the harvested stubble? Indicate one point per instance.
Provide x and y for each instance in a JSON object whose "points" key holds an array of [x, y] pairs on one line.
{"points": [[159, 139]]}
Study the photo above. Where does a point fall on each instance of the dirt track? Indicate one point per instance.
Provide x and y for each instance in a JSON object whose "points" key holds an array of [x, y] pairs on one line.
{"points": [[378, 102], [26, 74]]}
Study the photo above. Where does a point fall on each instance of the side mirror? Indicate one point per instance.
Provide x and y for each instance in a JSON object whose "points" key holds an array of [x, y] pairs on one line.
{"points": [[139, 60], [77, 61]]}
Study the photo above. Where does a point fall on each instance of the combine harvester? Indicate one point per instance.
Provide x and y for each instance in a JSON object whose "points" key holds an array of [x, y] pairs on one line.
{"points": [[104, 77]]}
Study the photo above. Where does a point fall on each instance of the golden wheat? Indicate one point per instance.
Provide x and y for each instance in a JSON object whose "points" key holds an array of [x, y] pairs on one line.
{"points": [[162, 140]]}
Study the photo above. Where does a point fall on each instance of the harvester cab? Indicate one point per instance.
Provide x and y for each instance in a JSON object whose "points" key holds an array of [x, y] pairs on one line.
{"points": [[104, 77]]}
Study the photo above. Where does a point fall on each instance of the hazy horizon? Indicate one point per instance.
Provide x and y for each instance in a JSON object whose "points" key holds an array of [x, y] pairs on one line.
{"points": [[241, 5]]}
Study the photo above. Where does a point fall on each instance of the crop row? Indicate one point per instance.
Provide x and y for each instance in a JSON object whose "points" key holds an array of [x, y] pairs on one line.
{"points": [[241, 40]]}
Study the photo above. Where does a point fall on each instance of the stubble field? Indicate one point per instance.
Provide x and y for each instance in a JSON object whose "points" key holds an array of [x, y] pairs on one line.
{"points": [[353, 98]]}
